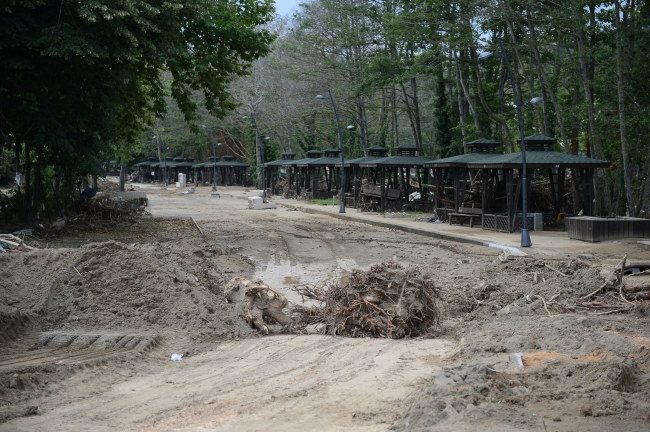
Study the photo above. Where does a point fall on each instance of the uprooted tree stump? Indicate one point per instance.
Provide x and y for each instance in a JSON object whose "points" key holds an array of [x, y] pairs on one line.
{"points": [[388, 301], [260, 306]]}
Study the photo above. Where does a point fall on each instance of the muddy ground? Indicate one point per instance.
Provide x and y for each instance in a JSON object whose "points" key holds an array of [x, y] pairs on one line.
{"points": [[89, 321]]}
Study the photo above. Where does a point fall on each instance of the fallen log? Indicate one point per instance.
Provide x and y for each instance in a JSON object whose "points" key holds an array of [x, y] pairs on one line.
{"points": [[635, 288]]}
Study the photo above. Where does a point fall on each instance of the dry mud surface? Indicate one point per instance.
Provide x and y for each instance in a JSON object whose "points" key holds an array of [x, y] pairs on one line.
{"points": [[86, 334]]}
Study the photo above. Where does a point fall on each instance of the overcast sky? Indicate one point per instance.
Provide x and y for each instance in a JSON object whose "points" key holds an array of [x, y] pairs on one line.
{"points": [[286, 7]]}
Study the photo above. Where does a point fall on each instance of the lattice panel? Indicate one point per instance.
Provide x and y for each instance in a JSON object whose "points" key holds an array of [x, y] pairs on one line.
{"points": [[490, 222], [501, 223], [548, 219], [519, 223]]}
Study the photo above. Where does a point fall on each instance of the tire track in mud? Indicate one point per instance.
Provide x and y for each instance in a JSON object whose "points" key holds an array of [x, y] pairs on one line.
{"points": [[84, 352]]}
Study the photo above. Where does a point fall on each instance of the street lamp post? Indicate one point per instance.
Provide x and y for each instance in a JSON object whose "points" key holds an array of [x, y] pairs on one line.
{"points": [[525, 235], [338, 128], [260, 149], [214, 152]]}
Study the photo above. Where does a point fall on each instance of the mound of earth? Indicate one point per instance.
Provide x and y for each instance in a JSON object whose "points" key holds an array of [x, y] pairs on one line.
{"points": [[152, 287]]}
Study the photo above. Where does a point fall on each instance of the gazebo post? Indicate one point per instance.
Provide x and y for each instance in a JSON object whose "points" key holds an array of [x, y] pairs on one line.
{"points": [[509, 198], [456, 188], [561, 177], [485, 190], [382, 188], [587, 175]]}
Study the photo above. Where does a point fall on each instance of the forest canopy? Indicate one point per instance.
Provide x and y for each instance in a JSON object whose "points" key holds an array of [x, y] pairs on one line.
{"points": [[81, 80], [88, 81]]}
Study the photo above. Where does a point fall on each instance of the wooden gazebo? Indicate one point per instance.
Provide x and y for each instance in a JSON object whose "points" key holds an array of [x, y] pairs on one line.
{"points": [[329, 167], [145, 169], [159, 169], [501, 179], [394, 172], [464, 179], [298, 175], [205, 171], [232, 173], [273, 170], [354, 172]]}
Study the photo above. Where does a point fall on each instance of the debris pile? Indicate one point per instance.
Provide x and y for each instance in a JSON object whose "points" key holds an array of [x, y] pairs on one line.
{"points": [[388, 301], [618, 294], [108, 206]]}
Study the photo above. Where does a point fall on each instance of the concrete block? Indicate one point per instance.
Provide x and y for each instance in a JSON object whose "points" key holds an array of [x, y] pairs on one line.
{"points": [[257, 203]]}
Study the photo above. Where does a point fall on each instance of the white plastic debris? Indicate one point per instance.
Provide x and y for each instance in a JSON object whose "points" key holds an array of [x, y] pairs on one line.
{"points": [[177, 357], [415, 196], [518, 359]]}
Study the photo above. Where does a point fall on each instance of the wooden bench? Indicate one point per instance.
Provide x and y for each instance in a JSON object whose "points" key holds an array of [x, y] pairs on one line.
{"points": [[470, 213], [375, 191]]}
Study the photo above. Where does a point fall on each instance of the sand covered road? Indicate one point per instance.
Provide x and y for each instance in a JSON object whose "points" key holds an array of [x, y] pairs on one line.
{"points": [[288, 383]]}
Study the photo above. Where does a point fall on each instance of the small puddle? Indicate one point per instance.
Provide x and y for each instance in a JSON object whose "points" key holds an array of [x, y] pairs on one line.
{"points": [[291, 280]]}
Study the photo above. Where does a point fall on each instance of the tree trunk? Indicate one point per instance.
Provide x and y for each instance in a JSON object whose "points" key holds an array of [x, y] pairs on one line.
{"points": [[547, 86], [393, 110], [603, 197], [492, 115], [625, 152], [28, 176], [123, 175], [363, 125], [410, 114], [416, 110], [472, 107]]}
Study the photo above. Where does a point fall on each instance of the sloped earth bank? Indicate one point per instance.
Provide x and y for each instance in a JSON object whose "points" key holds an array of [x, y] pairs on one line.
{"points": [[87, 334]]}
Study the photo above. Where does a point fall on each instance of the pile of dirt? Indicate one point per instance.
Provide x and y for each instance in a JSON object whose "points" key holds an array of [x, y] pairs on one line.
{"points": [[389, 301], [156, 287]]}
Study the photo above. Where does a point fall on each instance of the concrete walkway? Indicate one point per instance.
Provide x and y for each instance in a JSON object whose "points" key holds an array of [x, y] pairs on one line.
{"points": [[550, 243]]}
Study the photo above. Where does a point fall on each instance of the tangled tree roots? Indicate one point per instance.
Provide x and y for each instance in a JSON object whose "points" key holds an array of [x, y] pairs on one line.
{"points": [[387, 301]]}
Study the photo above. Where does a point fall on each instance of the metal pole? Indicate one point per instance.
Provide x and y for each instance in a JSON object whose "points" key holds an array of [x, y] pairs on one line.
{"points": [[259, 140], [214, 153], [338, 126], [525, 235]]}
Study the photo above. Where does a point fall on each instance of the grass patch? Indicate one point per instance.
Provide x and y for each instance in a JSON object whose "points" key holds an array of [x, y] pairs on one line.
{"points": [[331, 201]]}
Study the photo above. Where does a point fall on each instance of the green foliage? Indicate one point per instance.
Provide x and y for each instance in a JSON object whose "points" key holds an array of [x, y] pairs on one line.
{"points": [[81, 81]]}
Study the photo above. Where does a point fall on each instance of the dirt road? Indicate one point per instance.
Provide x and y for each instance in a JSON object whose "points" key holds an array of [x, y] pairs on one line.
{"points": [[87, 348]]}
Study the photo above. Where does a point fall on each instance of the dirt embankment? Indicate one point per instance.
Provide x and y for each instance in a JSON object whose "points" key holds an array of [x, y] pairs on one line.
{"points": [[81, 305], [581, 370]]}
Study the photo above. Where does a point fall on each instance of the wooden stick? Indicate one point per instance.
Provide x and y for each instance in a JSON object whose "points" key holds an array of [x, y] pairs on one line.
{"points": [[540, 297], [595, 292], [555, 270], [75, 269], [197, 226]]}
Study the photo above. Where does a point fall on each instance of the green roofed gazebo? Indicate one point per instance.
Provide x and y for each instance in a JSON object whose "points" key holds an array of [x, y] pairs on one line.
{"points": [[464, 179], [273, 171], [394, 174], [205, 171], [355, 172], [145, 168], [298, 173], [232, 172], [327, 166], [501, 177]]}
